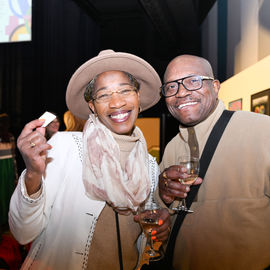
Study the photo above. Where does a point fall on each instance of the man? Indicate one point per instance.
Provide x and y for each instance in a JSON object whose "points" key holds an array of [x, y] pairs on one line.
{"points": [[229, 228]]}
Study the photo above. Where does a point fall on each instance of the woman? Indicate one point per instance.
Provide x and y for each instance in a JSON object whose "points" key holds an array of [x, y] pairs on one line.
{"points": [[89, 224]]}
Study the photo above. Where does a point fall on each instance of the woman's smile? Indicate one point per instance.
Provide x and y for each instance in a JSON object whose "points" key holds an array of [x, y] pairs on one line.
{"points": [[120, 116]]}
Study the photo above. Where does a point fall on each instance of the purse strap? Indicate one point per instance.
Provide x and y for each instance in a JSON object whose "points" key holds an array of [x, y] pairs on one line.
{"points": [[119, 241], [205, 160]]}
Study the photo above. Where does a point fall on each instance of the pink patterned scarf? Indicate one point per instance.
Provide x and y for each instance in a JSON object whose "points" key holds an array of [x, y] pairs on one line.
{"points": [[103, 176]]}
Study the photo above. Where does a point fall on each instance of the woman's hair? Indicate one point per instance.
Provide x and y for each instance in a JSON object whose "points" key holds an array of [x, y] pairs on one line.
{"points": [[72, 122], [88, 94], [5, 135]]}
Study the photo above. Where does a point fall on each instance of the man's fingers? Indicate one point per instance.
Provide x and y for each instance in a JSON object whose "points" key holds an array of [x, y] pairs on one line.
{"points": [[168, 199], [175, 172], [174, 188], [198, 181], [171, 187]]}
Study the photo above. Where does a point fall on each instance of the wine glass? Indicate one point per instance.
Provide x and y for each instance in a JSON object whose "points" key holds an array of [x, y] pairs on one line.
{"points": [[192, 166], [149, 216]]}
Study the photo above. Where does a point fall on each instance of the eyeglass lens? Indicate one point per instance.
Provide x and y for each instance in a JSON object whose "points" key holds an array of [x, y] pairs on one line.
{"points": [[190, 83], [105, 95]]}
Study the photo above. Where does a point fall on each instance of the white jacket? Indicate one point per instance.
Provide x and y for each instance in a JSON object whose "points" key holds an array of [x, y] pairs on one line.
{"points": [[61, 221]]}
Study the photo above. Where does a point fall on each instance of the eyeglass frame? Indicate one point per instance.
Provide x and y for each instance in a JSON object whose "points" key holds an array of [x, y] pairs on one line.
{"points": [[134, 89], [180, 81]]}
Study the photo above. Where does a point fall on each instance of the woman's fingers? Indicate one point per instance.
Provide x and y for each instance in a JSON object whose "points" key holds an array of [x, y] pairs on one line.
{"points": [[29, 127], [33, 146], [162, 231]]}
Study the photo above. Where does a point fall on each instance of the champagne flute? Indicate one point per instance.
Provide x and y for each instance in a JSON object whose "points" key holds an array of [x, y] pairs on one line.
{"points": [[149, 217], [192, 166]]}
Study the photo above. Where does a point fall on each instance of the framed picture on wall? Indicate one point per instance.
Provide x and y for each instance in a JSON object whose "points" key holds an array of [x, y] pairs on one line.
{"points": [[235, 105], [260, 102]]}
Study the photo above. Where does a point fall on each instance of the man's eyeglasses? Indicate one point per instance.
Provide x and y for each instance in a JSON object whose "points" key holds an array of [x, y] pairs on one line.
{"points": [[103, 96], [191, 83]]}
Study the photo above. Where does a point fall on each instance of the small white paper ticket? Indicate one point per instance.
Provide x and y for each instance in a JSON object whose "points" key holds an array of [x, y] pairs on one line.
{"points": [[49, 117]]}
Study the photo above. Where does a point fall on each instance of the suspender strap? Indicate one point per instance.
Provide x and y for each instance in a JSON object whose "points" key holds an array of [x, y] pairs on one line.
{"points": [[205, 160]]}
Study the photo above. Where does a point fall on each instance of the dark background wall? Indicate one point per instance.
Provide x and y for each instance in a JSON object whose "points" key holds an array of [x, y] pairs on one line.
{"points": [[34, 74]]}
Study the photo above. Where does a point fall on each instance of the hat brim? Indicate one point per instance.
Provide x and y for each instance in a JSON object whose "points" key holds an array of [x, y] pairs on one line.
{"points": [[145, 74]]}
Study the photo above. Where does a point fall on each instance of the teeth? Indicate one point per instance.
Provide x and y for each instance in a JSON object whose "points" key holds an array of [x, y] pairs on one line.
{"points": [[119, 116], [186, 104]]}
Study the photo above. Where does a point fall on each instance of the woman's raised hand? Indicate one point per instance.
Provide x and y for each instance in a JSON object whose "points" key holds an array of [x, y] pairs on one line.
{"points": [[33, 148]]}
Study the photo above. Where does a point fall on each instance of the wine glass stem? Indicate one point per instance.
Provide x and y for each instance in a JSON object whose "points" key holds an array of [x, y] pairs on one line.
{"points": [[184, 204], [150, 244]]}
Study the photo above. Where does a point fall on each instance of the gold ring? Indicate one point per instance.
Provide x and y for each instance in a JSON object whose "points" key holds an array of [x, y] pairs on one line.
{"points": [[164, 175], [166, 183], [32, 145]]}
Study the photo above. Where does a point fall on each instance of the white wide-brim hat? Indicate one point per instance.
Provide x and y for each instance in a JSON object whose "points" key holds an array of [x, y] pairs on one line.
{"points": [[109, 60]]}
